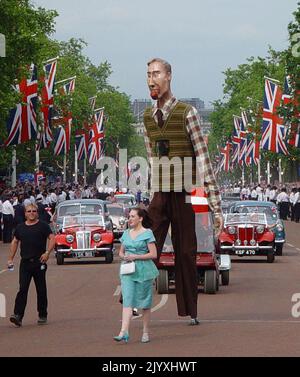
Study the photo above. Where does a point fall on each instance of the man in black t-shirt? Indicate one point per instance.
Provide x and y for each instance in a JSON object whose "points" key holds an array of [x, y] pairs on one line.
{"points": [[32, 236]]}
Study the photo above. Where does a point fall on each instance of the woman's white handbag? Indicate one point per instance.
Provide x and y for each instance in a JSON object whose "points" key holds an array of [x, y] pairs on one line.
{"points": [[127, 268]]}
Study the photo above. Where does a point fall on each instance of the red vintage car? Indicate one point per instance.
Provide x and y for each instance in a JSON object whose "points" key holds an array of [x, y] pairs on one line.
{"points": [[84, 236], [247, 234], [210, 266]]}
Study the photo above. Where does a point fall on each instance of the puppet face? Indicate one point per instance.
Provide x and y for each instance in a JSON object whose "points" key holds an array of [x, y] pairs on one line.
{"points": [[158, 80]]}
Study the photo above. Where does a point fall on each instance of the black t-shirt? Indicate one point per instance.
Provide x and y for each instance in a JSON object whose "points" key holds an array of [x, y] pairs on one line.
{"points": [[33, 239]]}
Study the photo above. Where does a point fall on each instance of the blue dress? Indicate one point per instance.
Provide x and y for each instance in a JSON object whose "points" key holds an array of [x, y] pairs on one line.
{"points": [[137, 287]]}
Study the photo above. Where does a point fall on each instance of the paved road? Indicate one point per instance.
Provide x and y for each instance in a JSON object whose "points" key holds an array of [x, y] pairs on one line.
{"points": [[250, 317]]}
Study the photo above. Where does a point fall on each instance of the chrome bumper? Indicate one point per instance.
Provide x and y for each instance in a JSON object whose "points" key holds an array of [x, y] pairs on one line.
{"points": [[256, 248], [76, 250]]}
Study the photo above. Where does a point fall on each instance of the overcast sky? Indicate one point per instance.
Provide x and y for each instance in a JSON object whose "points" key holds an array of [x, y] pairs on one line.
{"points": [[200, 38]]}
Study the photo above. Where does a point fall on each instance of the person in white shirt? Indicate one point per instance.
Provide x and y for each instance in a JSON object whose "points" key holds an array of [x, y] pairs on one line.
{"points": [[71, 194], [8, 214], [283, 201], [297, 205], [253, 194], [292, 203], [244, 193], [259, 192], [267, 193], [273, 194]]}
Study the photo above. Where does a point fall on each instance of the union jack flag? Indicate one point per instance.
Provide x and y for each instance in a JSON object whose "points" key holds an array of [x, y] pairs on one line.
{"points": [[243, 124], [287, 91], [294, 126], [82, 141], [92, 102], [225, 152], [96, 133], [236, 140], [273, 130], [46, 136], [21, 124], [62, 140], [252, 152], [69, 87]]}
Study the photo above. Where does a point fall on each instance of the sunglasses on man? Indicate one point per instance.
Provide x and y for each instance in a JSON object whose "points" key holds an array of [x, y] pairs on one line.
{"points": [[32, 210]]}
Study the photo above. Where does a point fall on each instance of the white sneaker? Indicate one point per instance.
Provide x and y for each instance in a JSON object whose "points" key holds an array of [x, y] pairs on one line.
{"points": [[145, 338]]}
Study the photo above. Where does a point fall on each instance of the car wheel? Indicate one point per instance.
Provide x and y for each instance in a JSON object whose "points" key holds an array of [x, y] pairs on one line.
{"points": [[279, 248], [270, 257], [163, 282], [59, 259], [210, 282], [225, 277], [109, 256]]}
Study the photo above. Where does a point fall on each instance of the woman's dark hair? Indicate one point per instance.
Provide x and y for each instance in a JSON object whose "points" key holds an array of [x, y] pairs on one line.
{"points": [[147, 222]]}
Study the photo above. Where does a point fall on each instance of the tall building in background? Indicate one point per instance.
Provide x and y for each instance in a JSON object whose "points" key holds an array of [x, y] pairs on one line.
{"points": [[138, 107]]}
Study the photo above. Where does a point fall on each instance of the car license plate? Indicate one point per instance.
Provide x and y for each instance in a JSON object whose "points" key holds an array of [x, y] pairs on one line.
{"points": [[82, 254], [245, 252]]}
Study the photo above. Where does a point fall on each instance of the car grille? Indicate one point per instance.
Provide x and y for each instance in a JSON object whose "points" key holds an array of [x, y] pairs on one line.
{"points": [[246, 233], [83, 239]]}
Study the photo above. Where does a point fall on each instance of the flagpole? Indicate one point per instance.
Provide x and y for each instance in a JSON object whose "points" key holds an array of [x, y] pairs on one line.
{"points": [[268, 173], [258, 172], [243, 175], [65, 170], [84, 172], [76, 166], [37, 160], [14, 167], [270, 79], [68, 79], [279, 171]]}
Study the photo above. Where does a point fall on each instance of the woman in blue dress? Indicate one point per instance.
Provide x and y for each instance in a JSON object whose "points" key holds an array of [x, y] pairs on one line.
{"points": [[138, 245]]}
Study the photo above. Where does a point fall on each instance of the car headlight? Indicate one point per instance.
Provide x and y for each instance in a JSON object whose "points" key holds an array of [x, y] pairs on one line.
{"points": [[97, 237], [260, 229], [122, 221], [231, 230], [69, 238], [279, 227]]}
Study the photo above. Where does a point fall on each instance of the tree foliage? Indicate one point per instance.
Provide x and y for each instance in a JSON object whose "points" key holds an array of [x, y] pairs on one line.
{"points": [[28, 33], [243, 89]]}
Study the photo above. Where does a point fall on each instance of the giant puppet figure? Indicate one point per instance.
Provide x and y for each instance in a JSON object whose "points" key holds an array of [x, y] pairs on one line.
{"points": [[173, 131]]}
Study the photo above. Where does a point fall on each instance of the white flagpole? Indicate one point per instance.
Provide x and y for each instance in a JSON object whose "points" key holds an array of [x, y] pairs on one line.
{"points": [[268, 173], [84, 171], [258, 172], [270, 79], [51, 60], [243, 175], [14, 167], [76, 166], [65, 170], [69, 79], [37, 159], [279, 171]]}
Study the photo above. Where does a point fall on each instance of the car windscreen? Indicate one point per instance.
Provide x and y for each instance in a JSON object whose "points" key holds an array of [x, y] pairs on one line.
{"points": [[115, 211], [72, 221], [77, 209], [125, 199], [204, 231], [245, 218], [271, 214]]}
